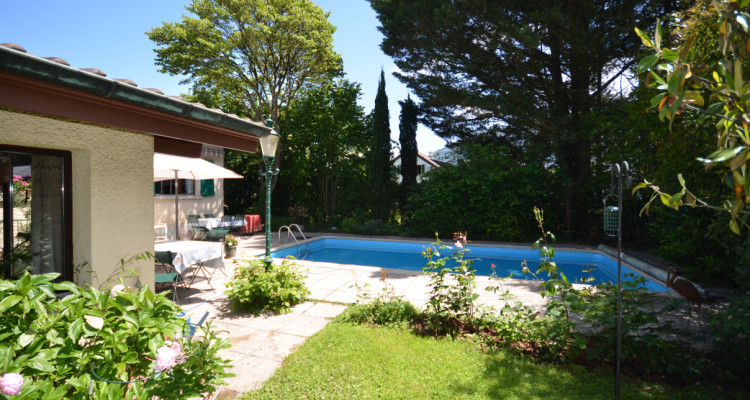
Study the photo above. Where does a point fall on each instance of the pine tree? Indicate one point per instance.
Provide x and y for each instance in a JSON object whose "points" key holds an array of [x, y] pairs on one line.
{"points": [[380, 156]]}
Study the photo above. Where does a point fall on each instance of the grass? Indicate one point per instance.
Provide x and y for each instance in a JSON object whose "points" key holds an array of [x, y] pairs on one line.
{"points": [[348, 361]]}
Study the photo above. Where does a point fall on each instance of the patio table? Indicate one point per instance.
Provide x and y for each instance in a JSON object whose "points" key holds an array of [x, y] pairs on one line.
{"points": [[215, 222], [252, 223], [191, 252]]}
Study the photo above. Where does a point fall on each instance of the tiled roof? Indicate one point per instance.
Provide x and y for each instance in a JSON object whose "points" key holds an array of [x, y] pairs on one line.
{"points": [[15, 59]]}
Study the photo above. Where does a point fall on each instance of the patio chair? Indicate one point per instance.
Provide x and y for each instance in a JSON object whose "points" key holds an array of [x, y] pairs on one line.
{"points": [[163, 260], [190, 327], [217, 234], [227, 221], [196, 231]]}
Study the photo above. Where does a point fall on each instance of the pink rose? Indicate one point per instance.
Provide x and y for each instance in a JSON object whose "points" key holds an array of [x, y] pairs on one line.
{"points": [[11, 383], [166, 358], [116, 289]]}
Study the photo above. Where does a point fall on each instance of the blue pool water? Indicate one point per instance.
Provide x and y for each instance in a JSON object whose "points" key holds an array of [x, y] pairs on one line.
{"points": [[408, 255]]}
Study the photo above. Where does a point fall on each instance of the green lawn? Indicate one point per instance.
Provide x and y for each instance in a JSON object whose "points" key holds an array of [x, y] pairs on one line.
{"points": [[346, 361]]}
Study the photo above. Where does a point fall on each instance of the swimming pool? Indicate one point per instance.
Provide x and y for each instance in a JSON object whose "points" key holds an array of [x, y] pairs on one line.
{"points": [[507, 260]]}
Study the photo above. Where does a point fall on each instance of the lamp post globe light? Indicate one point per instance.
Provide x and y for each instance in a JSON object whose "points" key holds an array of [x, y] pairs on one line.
{"points": [[268, 145]]}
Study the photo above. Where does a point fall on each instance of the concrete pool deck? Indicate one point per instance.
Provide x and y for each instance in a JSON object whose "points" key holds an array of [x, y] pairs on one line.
{"points": [[261, 343]]}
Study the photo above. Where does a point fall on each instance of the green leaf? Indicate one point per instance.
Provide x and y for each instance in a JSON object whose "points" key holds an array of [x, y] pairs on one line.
{"points": [[74, 330], [738, 81], [687, 46], [675, 80], [715, 108], [26, 338], [656, 100], [742, 19], [681, 179], [657, 35], [739, 160], [658, 79], [669, 54], [723, 155], [9, 302], [44, 278], [24, 284], [734, 226], [648, 62], [644, 38]]}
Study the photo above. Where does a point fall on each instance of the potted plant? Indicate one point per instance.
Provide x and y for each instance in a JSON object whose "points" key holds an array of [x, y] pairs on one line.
{"points": [[230, 246]]}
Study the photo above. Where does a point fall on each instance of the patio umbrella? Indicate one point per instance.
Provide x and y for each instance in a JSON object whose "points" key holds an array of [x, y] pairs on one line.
{"points": [[168, 167]]}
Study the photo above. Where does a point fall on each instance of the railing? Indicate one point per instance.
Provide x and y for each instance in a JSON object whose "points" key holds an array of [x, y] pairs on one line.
{"points": [[290, 233]]}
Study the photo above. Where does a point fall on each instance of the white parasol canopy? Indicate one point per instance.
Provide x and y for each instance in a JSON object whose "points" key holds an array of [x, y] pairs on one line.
{"points": [[168, 167]]}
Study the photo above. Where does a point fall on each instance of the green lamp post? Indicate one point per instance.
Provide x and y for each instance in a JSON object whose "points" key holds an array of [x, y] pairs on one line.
{"points": [[268, 145]]}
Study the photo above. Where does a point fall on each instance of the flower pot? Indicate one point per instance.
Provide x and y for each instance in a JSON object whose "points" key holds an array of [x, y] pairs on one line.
{"points": [[230, 252]]}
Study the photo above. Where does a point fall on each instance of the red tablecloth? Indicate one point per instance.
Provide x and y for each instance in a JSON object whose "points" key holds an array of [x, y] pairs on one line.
{"points": [[252, 223]]}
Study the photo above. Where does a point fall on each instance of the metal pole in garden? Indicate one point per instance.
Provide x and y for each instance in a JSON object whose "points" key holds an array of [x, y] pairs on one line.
{"points": [[624, 170], [268, 145]]}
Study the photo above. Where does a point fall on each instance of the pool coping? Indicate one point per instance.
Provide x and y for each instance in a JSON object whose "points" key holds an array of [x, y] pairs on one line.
{"points": [[649, 271]]}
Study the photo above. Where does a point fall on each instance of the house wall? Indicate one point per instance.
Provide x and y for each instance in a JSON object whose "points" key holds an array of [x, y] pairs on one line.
{"points": [[112, 192], [420, 161], [164, 205]]}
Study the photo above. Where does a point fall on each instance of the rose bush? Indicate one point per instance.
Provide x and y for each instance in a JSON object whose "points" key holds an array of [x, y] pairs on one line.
{"points": [[100, 344]]}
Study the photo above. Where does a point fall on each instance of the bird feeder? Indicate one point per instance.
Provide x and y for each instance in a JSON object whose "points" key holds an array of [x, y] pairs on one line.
{"points": [[611, 220]]}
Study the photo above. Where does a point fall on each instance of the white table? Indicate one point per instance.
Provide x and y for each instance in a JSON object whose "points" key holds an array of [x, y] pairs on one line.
{"points": [[189, 252], [215, 222]]}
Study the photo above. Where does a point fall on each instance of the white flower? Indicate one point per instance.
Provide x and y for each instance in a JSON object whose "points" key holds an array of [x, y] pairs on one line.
{"points": [[116, 289], [11, 383], [166, 358]]}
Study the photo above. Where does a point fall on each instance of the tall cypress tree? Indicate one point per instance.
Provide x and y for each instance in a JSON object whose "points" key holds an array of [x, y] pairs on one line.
{"points": [[408, 138], [380, 156]]}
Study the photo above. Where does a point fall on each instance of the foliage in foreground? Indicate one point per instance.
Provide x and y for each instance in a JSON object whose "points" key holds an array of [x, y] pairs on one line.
{"points": [[347, 361], [579, 326], [101, 344], [253, 288]]}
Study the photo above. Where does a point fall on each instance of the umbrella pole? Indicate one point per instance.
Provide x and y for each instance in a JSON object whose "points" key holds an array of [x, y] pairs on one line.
{"points": [[176, 210]]}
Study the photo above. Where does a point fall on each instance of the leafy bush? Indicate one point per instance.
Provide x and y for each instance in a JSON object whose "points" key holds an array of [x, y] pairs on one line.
{"points": [[371, 227], [473, 195], [446, 298], [277, 289], [730, 329], [94, 344], [385, 309]]}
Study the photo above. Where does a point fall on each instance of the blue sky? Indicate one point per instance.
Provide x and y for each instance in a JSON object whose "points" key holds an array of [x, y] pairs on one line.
{"points": [[110, 35]]}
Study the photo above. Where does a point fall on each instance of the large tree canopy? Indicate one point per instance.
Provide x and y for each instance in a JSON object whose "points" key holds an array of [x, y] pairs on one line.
{"points": [[253, 55], [521, 73], [326, 146]]}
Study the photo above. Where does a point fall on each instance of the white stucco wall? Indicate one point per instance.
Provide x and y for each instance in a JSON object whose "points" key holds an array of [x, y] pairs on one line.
{"points": [[420, 161], [164, 205], [112, 189]]}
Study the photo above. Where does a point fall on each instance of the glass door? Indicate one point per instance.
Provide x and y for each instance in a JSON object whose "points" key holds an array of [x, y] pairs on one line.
{"points": [[35, 213]]}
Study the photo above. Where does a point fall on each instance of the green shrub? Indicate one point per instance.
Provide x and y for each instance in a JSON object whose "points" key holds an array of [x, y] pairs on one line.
{"points": [[371, 227], [385, 309], [254, 289], [94, 344], [387, 312]]}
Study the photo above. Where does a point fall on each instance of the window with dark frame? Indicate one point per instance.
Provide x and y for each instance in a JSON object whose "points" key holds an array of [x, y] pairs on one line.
{"points": [[35, 221], [184, 186]]}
